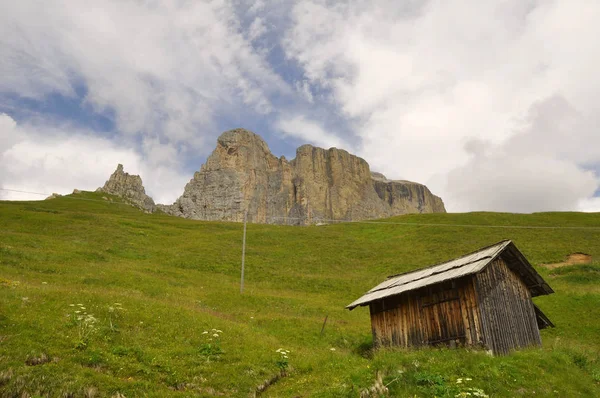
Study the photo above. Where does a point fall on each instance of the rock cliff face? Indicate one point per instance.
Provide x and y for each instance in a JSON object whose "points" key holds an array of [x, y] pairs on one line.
{"points": [[318, 185], [406, 196], [129, 187]]}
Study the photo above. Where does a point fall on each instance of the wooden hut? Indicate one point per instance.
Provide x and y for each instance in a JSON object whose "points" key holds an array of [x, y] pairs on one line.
{"points": [[482, 298]]}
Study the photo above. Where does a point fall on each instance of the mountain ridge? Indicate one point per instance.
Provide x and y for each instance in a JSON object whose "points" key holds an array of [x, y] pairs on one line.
{"points": [[242, 176]]}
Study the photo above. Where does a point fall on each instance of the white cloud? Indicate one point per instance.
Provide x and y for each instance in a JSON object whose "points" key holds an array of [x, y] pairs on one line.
{"points": [[8, 136], [162, 67], [509, 182], [257, 6], [421, 80], [303, 87], [591, 205], [257, 28], [307, 130], [45, 159], [536, 169]]}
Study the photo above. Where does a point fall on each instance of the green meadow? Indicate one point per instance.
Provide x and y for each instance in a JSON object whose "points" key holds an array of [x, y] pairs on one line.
{"points": [[98, 299]]}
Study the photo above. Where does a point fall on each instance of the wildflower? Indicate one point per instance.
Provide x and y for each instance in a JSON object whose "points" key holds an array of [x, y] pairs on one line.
{"points": [[282, 362], [332, 349], [219, 331], [71, 305], [468, 379], [216, 335], [458, 381], [205, 332]]}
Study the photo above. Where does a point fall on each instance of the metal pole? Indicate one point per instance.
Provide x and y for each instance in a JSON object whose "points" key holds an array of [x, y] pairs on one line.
{"points": [[324, 323], [243, 251]]}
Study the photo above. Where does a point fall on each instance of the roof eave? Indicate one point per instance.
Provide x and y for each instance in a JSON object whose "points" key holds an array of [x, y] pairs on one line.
{"points": [[537, 288]]}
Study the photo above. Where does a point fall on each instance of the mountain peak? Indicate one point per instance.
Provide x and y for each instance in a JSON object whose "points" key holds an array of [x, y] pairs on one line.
{"points": [[129, 187]]}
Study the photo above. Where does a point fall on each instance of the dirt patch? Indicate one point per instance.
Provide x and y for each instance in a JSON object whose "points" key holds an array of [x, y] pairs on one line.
{"points": [[572, 259], [34, 360], [268, 383]]}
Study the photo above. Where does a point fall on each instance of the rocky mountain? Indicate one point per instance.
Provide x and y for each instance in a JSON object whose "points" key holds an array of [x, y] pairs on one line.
{"points": [[243, 175], [130, 188]]}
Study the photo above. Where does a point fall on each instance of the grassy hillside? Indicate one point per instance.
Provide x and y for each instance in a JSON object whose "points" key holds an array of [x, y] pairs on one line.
{"points": [[147, 287]]}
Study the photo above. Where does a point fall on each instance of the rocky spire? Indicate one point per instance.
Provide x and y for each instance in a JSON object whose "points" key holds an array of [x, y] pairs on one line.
{"points": [[130, 188]]}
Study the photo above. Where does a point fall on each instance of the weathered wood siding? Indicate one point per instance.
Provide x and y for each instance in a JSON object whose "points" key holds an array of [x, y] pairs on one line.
{"points": [[508, 317], [446, 313]]}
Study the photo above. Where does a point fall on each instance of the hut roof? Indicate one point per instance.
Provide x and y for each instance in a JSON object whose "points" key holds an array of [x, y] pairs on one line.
{"points": [[466, 265]]}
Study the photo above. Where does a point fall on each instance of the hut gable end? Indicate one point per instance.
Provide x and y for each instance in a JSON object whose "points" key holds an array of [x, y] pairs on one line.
{"points": [[508, 316]]}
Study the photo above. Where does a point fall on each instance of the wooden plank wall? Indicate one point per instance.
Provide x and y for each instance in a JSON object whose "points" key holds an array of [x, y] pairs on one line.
{"points": [[443, 314], [507, 314]]}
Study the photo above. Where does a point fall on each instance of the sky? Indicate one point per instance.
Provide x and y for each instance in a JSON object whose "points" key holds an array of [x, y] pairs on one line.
{"points": [[494, 105]]}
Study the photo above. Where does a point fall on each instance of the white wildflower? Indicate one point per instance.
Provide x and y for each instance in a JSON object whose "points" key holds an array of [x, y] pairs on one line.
{"points": [[215, 335], [205, 332], [332, 349]]}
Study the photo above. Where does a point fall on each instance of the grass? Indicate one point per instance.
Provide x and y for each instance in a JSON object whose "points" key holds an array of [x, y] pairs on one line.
{"points": [[176, 278]]}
